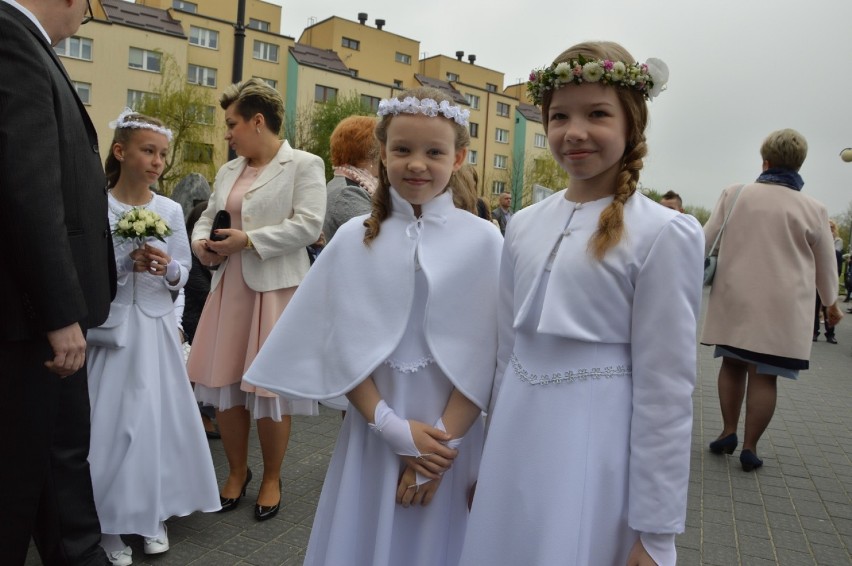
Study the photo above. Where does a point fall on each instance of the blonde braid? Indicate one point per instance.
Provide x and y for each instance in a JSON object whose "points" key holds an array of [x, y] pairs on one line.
{"points": [[611, 222]]}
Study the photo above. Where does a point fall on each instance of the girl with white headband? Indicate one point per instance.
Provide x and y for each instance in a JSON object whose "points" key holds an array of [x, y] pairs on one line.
{"points": [[398, 314], [149, 457], [587, 457]]}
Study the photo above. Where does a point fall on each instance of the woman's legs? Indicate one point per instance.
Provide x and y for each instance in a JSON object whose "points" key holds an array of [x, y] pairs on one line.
{"points": [[274, 437], [760, 406], [732, 388], [234, 424]]}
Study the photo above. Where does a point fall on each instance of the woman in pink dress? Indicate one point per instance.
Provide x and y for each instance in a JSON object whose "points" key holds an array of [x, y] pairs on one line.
{"points": [[276, 199]]}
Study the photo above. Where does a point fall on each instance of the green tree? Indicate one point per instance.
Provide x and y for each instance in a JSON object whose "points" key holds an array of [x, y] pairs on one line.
{"points": [[844, 226], [311, 129], [699, 212], [190, 112]]}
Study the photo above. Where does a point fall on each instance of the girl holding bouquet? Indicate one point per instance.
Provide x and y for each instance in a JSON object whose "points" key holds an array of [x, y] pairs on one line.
{"points": [[149, 457]]}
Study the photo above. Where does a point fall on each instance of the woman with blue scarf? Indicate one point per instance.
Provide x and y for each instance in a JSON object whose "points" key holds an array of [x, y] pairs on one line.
{"points": [[775, 249]]}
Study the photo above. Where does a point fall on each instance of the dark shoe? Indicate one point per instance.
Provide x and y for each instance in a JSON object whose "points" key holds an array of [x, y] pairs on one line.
{"points": [[831, 339], [749, 460], [213, 434], [262, 513], [726, 445], [816, 337], [230, 503]]}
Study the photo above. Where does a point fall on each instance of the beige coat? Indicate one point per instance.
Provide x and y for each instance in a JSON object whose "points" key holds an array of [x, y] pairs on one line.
{"points": [[776, 253], [282, 212]]}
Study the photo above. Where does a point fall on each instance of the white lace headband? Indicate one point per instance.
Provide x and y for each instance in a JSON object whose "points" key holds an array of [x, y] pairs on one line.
{"points": [[123, 122], [426, 106]]}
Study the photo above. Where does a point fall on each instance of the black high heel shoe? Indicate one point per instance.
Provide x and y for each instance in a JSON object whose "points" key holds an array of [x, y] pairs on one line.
{"points": [[749, 460], [262, 513], [725, 445], [230, 503]]}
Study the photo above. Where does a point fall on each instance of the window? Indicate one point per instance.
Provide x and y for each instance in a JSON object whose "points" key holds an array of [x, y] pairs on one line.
{"points": [[452, 77], [403, 58], [490, 87], [397, 83], [500, 161], [325, 94], [204, 37], [84, 91], [196, 152], [204, 76], [204, 114], [258, 24], [350, 43], [370, 103], [498, 187], [145, 60], [265, 51], [502, 109], [353, 72], [271, 82], [135, 98], [471, 156], [473, 100], [501, 135], [75, 47], [540, 140], [185, 6], [474, 130]]}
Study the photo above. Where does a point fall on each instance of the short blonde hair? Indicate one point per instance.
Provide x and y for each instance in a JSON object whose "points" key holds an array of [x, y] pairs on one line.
{"points": [[254, 96], [785, 149]]}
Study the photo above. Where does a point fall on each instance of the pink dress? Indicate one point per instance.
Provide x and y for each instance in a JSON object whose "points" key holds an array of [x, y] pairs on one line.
{"points": [[233, 326]]}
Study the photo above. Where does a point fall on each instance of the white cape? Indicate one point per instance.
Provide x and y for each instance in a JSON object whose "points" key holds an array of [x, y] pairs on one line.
{"points": [[350, 312]]}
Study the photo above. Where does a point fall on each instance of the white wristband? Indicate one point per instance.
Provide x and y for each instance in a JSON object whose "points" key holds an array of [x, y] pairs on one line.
{"points": [[173, 270], [394, 430]]}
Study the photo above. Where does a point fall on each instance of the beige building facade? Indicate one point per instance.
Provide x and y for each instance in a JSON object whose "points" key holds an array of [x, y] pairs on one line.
{"points": [[120, 57]]}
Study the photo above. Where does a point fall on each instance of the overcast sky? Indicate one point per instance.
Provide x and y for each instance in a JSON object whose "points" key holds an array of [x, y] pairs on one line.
{"points": [[739, 70]]}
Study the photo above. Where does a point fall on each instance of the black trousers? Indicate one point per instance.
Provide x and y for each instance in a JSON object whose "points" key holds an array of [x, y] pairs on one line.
{"points": [[45, 484], [829, 330]]}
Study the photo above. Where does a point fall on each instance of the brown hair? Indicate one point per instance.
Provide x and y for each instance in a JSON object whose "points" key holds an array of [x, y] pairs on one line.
{"points": [[464, 183], [785, 149], [354, 141], [112, 167], [611, 223], [382, 198], [254, 96]]}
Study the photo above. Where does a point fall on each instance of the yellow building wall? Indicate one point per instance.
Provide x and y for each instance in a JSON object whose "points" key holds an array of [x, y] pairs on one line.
{"points": [[376, 57], [227, 10], [439, 66]]}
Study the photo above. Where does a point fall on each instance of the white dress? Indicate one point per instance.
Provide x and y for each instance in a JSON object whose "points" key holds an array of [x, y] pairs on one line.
{"points": [[588, 440], [149, 456], [358, 522]]}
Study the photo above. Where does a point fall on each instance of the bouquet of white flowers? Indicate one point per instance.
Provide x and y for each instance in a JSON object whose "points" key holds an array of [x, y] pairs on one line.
{"points": [[139, 224]]}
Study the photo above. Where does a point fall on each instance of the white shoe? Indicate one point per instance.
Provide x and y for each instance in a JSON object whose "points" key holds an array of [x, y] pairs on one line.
{"points": [[121, 557], [157, 545]]}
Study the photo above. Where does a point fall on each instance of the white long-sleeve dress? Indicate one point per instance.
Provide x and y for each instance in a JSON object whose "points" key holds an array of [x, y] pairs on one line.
{"points": [[149, 456], [414, 310], [589, 438]]}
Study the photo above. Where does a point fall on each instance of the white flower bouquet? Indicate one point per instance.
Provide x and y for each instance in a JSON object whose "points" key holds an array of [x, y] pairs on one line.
{"points": [[139, 224]]}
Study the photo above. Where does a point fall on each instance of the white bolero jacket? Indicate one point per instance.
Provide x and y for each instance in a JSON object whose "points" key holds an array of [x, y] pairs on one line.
{"points": [[282, 212], [646, 292], [352, 309]]}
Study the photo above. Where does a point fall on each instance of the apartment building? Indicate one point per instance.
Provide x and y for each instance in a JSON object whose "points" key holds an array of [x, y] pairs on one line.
{"points": [[119, 58]]}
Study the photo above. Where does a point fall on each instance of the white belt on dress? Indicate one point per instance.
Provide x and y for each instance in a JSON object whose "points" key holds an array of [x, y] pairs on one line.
{"points": [[569, 376]]}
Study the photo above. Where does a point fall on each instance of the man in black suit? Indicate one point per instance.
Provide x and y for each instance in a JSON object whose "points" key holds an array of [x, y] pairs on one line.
{"points": [[57, 281]]}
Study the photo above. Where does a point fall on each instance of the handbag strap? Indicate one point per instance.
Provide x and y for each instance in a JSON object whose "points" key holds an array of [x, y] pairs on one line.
{"points": [[724, 222]]}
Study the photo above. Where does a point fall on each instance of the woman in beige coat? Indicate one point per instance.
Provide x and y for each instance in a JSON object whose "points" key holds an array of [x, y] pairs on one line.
{"points": [[276, 199], [775, 249]]}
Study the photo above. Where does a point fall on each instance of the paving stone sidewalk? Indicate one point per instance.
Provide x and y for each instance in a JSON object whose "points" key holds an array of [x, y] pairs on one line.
{"points": [[795, 511]]}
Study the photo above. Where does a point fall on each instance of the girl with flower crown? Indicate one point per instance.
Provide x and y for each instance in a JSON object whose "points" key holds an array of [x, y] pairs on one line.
{"points": [[587, 457], [149, 457], [409, 335]]}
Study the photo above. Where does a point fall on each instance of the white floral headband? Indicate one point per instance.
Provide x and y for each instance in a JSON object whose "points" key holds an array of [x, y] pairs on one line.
{"points": [[649, 78], [123, 122], [425, 106]]}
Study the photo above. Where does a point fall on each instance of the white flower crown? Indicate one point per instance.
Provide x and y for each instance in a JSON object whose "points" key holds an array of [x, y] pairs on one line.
{"points": [[426, 106], [123, 122], [649, 78]]}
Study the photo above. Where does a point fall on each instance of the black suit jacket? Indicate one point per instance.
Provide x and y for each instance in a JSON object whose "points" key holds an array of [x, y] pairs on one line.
{"points": [[58, 266]]}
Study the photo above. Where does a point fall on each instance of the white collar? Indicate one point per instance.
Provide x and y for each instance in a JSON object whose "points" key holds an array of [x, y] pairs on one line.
{"points": [[32, 18]]}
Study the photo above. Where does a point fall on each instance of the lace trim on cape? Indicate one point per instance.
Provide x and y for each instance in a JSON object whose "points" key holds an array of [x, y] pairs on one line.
{"points": [[410, 367]]}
